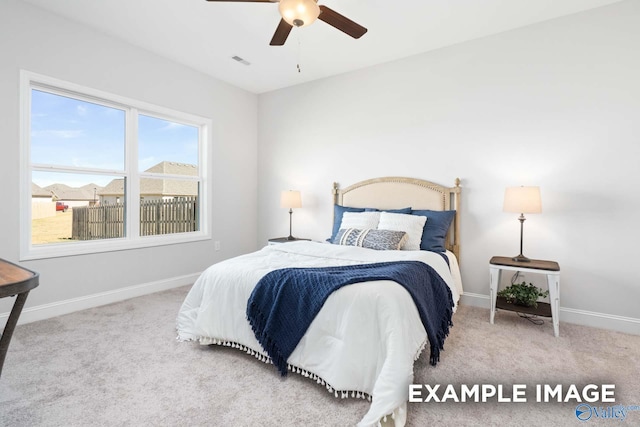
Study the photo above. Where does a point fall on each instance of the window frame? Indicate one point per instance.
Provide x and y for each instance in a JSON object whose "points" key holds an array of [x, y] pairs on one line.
{"points": [[131, 173]]}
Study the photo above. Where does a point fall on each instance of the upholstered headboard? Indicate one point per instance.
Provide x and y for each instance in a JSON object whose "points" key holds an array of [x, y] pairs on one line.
{"points": [[399, 192]]}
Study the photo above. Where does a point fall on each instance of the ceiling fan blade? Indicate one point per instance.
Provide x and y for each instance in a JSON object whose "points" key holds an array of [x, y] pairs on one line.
{"points": [[281, 34], [341, 22]]}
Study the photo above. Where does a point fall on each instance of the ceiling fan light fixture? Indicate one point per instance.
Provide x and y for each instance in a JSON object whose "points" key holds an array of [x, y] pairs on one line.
{"points": [[299, 13]]}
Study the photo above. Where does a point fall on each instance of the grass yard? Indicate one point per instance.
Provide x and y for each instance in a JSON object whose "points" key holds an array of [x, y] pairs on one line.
{"points": [[54, 229]]}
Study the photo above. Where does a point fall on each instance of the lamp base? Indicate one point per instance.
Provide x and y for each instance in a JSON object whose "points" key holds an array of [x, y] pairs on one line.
{"points": [[290, 232], [520, 258]]}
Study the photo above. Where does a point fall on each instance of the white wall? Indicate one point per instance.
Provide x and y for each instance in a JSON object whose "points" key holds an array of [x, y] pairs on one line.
{"points": [[556, 105], [38, 41]]}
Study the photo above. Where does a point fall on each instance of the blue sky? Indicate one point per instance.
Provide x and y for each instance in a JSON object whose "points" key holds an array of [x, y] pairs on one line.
{"points": [[70, 132]]}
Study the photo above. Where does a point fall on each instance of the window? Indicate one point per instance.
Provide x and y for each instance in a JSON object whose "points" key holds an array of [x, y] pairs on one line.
{"points": [[102, 173]]}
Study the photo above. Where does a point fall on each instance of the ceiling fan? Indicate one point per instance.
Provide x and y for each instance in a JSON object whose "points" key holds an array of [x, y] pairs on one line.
{"points": [[300, 13]]}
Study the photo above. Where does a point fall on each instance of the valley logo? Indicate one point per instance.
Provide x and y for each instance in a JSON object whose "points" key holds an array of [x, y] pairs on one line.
{"points": [[585, 412]]}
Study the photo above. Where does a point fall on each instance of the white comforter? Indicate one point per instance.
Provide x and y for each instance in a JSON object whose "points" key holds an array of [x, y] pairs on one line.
{"points": [[365, 338]]}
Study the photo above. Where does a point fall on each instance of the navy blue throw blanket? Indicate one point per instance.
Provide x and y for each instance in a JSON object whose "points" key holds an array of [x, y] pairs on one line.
{"points": [[284, 302]]}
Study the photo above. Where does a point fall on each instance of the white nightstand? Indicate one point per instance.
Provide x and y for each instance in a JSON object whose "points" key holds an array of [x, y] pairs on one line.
{"points": [[550, 268]]}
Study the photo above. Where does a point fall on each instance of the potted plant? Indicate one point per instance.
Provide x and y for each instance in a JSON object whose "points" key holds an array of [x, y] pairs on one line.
{"points": [[523, 294]]}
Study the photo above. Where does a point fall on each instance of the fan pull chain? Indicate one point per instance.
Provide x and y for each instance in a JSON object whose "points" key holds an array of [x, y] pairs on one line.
{"points": [[299, 50]]}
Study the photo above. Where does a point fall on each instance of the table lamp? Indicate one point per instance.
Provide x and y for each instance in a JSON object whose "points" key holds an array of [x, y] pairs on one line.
{"points": [[522, 200], [290, 199]]}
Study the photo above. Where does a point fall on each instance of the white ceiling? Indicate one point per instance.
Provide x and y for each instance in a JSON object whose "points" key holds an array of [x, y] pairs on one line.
{"points": [[205, 35]]}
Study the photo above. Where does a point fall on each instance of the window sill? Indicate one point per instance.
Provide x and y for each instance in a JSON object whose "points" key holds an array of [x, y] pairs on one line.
{"points": [[108, 245]]}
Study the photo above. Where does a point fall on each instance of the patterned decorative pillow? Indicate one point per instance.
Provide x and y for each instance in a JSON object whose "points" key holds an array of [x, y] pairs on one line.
{"points": [[380, 240]]}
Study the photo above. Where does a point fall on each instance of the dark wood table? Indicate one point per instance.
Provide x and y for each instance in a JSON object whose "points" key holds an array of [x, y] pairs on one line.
{"points": [[18, 281], [279, 240]]}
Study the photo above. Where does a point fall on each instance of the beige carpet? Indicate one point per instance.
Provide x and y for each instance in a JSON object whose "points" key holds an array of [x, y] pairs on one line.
{"points": [[120, 365]]}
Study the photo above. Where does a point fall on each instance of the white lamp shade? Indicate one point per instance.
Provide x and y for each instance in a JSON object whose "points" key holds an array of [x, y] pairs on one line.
{"points": [[290, 199], [299, 13], [522, 200]]}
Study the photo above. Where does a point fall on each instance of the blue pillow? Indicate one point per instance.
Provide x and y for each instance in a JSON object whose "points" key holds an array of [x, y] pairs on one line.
{"points": [[400, 211], [435, 229], [338, 211]]}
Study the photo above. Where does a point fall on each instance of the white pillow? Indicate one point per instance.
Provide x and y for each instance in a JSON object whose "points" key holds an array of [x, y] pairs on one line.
{"points": [[410, 224], [360, 220]]}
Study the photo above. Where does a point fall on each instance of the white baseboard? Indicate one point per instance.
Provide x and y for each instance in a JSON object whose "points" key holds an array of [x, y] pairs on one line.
{"points": [[475, 300], [627, 325], [58, 308]]}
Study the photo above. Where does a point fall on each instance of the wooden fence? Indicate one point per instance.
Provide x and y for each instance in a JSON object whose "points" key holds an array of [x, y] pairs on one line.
{"points": [[156, 217], [166, 217]]}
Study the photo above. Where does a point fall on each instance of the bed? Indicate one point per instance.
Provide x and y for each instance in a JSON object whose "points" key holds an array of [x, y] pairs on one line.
{"points": [[365, 338]]}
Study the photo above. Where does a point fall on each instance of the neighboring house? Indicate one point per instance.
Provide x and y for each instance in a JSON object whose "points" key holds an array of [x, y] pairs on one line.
{"points": [[155, 189], [82, 196], [42, 205], [39, 194]]}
